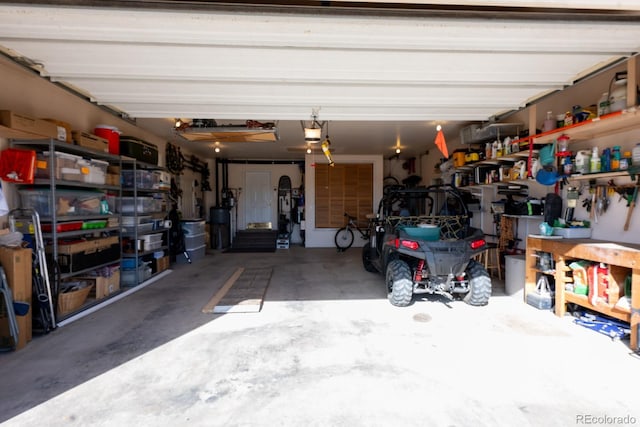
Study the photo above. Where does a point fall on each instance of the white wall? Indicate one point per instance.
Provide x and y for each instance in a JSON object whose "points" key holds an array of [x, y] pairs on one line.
{"points": [[324, 237], [237, 174]]}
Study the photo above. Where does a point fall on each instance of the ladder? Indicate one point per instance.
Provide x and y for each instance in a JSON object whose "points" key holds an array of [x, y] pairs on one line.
{"points": [[43, 297]]}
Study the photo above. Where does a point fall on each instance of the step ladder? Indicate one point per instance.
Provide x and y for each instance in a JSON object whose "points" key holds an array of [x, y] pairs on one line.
{"points": [[27, 221]]}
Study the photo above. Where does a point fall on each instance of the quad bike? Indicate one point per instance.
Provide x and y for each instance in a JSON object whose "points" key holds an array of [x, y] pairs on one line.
{"points": [[423, 244]]}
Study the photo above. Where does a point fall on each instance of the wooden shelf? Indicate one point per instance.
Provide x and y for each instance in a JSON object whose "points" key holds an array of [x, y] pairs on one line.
{"points": [[610, 124], [622, 258], [583, 301], [603, 175]]}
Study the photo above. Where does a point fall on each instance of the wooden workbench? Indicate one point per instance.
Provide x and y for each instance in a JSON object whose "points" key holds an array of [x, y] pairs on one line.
{"points": [[622, 258]]}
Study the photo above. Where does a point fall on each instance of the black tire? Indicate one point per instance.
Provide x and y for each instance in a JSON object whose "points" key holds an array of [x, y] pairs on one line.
{"points": [[366, 259], [344, 238], [399, 283], [479, 285]]}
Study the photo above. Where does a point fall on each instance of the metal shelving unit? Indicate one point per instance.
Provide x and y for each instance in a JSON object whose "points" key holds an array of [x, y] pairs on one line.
{"points": [[54, 219], [133, 256]]}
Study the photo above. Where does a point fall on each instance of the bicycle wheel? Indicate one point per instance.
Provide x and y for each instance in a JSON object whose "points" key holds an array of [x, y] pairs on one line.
{"points": [[344, 238]]}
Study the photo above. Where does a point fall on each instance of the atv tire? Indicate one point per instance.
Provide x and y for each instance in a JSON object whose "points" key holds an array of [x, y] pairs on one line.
{"points": [[399, 283], [479, 285], [366, 258]]}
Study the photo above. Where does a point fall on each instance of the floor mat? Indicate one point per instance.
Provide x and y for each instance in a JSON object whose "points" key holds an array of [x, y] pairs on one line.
{"points": [[243, 292]]}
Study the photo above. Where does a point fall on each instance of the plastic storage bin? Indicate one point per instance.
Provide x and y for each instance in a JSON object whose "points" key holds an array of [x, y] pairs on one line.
{"points": [[193, 226], [572, 233], [133, 277], [68, 202], [194, 241], [141, 178], [139, 204], [97, 172], [67, 166]]}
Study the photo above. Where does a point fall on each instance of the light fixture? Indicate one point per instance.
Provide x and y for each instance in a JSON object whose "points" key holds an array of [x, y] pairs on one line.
{"points": [[178, 123], [308, 150], [398, 150], [313, 132], [217, 149]]}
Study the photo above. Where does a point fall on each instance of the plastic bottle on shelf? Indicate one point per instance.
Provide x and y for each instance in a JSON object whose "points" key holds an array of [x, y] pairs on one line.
{"points": [[605, 161], [506, 146], [549, 123], [499, 151], [603, 104], [494, 150], [595, 161], [615, 158], [582, 160], [636, 155], [488, 149], [625, 161]]}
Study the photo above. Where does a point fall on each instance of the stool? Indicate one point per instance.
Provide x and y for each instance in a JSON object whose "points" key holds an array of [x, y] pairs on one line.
{"points": [[490, 258]]}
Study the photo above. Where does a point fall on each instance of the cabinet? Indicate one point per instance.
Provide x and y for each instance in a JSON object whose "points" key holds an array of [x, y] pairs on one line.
{"points": [[622, 258], [143, 206], [80, 234]]}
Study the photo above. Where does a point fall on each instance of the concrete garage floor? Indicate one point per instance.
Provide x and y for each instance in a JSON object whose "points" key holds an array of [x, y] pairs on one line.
{"points": [[327, 349]]}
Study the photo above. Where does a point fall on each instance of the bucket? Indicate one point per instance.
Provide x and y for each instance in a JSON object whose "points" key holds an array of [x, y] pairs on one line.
{"points": [[111, 134]]}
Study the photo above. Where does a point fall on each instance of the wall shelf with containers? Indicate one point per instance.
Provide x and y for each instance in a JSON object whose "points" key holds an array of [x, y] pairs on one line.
{"points": [[80, 232], [529, 147], [607, 125], [145, 232]]}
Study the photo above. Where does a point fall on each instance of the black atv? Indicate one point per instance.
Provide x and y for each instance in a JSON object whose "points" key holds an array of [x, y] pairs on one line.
{"points": [[423, 243]]}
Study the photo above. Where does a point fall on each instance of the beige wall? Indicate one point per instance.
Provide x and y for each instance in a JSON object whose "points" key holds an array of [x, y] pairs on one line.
{"points": [[25, 92]]}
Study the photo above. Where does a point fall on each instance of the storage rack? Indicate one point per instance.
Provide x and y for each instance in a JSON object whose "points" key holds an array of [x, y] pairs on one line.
{"points": [[54, 146], [132, 256]]}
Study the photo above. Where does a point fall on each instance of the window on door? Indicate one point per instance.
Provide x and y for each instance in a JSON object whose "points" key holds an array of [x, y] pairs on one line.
{"points": [[343, 188]]}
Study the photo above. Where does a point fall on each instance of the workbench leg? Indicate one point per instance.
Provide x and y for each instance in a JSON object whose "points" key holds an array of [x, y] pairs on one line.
{"points": [[561, 302], [635, 307]]}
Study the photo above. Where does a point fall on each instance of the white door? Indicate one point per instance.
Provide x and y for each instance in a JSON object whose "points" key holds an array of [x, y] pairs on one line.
{"points": [[258, 198]]}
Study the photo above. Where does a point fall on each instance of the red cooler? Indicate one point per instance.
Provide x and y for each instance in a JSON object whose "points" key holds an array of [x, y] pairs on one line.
{"points": [[111, 134]]}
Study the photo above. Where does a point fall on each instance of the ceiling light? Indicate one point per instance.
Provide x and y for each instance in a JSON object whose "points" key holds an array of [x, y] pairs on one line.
{"points": [[398, 150], [308, 150], [178, 123], [313, 132], [217, 149]]}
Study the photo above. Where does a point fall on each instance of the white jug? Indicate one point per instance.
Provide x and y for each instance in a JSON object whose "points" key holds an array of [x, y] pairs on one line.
{"points": [[535, 167]]}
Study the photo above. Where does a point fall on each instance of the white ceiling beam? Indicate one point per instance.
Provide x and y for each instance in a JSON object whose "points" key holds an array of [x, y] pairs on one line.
{"points": [[314, 31]]}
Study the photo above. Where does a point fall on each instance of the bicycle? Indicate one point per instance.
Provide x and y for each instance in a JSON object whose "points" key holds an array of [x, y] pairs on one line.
{"points": [[344, 236]]}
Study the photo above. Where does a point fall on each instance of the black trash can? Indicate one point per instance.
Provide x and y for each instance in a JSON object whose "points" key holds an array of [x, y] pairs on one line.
{"points": [[219, 227]]}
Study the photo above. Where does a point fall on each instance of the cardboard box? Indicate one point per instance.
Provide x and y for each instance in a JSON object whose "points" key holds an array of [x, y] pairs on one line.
{"points": [[16, 263], [160, 264], [64, 130], [112, 179], [89, 140], [104, 286], [23, 123]]}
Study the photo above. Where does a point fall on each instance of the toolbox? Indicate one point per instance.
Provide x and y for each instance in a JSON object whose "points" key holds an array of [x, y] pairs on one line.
{"points": [[138, 149]]}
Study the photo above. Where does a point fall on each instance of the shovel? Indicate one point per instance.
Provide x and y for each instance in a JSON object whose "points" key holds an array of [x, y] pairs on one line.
{"points": [[632, 204]]}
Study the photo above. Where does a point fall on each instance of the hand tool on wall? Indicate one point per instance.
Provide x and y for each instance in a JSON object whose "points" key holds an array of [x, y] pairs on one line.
{"points": [[632, 204]]}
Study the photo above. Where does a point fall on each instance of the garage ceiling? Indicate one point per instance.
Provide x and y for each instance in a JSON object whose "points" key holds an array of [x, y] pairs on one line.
{"points": [[382, 75]]}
